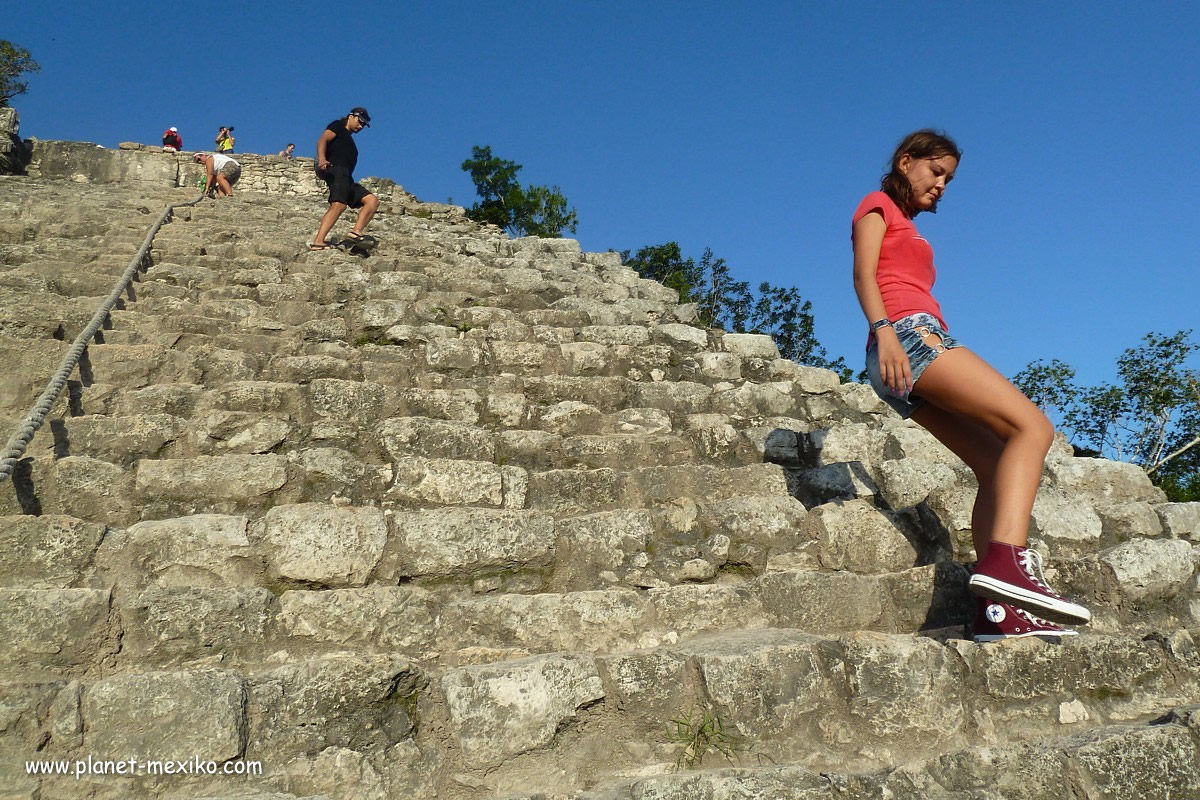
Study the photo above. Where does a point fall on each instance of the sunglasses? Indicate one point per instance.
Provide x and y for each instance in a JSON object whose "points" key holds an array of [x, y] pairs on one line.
{"points": [[365, 123]]}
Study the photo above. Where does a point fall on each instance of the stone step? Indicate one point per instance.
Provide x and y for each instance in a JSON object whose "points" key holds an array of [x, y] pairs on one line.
{"points": [[1155, 760]]}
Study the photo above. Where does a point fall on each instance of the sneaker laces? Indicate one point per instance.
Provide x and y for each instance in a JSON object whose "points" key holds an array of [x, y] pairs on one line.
{"points": [[1031, 561], [1034, 619]]}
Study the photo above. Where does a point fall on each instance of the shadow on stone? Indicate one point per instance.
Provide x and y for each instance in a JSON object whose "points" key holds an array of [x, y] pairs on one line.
{"points": [[62, 439], [22, 481], [86, 378]]}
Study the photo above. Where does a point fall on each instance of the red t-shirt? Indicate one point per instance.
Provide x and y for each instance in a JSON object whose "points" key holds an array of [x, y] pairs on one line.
{"points": [[906, 273]]}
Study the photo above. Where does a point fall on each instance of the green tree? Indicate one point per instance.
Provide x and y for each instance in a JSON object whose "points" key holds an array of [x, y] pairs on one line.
{"points": [[1150, 416], [503, 201], [722, 302], [15, 61]]}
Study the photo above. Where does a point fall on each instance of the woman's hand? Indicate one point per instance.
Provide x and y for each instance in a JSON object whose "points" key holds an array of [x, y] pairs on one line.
{"points": [[894, 368]]}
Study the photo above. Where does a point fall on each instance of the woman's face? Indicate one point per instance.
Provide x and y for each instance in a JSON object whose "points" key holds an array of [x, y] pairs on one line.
{"points": [[928, 177]]}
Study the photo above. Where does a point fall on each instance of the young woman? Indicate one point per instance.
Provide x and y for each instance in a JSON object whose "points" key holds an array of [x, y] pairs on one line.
{"points": [[918, 369]]}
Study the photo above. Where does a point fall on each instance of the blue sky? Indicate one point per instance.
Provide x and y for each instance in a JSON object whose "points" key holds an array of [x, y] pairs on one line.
{"points": [[752, 128]]}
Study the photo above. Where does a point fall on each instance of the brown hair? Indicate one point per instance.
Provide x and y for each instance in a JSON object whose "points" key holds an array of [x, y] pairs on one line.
{"points": [[925, 143]]}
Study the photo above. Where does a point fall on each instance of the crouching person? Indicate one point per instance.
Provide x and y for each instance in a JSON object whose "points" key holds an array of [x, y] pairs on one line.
{"points": [[222, 172]]}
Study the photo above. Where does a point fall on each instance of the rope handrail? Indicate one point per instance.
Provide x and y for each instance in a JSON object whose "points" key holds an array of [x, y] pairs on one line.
{"points": [[15, 449]]}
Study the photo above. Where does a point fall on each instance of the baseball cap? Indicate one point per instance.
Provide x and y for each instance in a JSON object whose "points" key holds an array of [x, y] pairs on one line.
{"points": [[362, 115], [174, 130]]}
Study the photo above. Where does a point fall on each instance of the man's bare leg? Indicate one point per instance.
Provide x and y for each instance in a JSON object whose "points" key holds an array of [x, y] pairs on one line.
{"points": [[327, 221], [370, 205]]}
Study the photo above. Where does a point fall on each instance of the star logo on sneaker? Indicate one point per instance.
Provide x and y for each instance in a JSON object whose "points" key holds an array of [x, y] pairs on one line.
{"points": [[995, 613]]}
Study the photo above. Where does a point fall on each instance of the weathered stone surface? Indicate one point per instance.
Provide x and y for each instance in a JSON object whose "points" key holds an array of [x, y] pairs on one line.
{"points": [[750, 345], [53, 628], [389, 618], [408, 436], [909, 481], [452, 482], [200, 550], [166, 715], [47, 552], [1103, 481], [684, 337], [169, 625], [235, 477], [854, 536], [322, 544], [1147, 569], [450, 541], [502, 710], [1180, 520], [1065, 518], [1125, 521]]}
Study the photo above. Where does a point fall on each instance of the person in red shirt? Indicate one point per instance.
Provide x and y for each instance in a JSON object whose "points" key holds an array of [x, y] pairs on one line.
{"points": [[172, 141], [925, 374]]}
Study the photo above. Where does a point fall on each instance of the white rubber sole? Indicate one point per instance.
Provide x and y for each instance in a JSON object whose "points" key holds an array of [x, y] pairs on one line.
{"points": [[997, 637], [1037, 604]]}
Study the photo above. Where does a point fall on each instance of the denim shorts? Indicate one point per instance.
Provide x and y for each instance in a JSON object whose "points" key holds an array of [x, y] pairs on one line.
{"points": [[910, 329]]}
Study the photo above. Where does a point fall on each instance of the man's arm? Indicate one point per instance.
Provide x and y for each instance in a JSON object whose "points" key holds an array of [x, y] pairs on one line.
{"points": [[326, 137]]}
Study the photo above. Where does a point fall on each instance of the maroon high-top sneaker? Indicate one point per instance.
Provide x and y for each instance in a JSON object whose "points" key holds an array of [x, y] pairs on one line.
{"points": [[995, 621], [1013, 575]]}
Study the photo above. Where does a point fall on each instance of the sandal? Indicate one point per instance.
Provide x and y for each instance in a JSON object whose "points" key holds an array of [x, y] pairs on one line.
{"points": [[360, 238], [316, 248]]}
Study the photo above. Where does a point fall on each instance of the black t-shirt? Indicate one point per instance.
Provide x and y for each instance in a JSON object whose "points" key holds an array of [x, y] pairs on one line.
{"points": [[341, 151]]}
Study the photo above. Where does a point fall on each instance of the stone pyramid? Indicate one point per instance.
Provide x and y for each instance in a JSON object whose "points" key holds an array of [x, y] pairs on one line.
{"points": [[478, 517]]}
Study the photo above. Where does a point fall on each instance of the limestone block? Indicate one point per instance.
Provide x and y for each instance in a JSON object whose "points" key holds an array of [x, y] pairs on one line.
{"points": [[636, 335], [465, 354], [750, 345], [120, 440], [832, 482], [509, 409], [719, 366], [355, 401], [810, 380], [242, 432], [352, 701], [233, 477], [816, 601], [685, 338], [1141, 763], [198, 550], [463, 405], [768, 683], [134, 366], [572, 491], [905, 689], [572, 417], [682, 612], [53, 628], [332, 471], [682, 397], [647, 421], [1151, 568], [1124, 521], [448, 482], [531, 449], [419, 334], [906, 482], [322, 544], [1180, 520], [848, 442], [713, 435], [387, 618], [910, 441], [262, 397], [303, 369], [1065, 518], [453, 541], [952, 505], [772, 523], [620, 450], [524, 355], [47, 552], [380, 315], [586, 358], [756, 399], [588, 621], [165, 715], [408, 436], [172, 625], [653, 684], [657, 485], [1103, 481], [862, 398], [854, 536], [593, 544], [499, 711]]}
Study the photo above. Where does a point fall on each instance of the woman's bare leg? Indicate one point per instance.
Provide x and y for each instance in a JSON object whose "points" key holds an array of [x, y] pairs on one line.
{"points": [[960, 382], [980, 450]]}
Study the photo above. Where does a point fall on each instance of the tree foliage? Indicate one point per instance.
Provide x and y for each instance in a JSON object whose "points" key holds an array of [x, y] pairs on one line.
{"points": [[723, 302], [1150, 416], [521, 210], [15, 61]]}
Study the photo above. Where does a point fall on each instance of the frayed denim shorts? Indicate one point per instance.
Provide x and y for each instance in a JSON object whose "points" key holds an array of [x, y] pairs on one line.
{"points": [[910, 330]]}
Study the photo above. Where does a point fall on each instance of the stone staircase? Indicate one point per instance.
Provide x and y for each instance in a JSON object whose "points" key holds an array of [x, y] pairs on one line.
{"points": [[486, 518]]}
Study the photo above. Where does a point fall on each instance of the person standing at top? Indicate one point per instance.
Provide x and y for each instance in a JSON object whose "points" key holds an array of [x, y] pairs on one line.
{"points": [[225, 140], [337, 156], [288, 151], [172, 141], [923, 373]]}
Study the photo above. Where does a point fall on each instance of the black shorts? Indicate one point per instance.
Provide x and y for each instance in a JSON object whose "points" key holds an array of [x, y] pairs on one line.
{"points": [[341, 188]]}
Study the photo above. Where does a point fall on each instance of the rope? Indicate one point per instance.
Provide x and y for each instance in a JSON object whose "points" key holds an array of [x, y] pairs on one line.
{"points": [[37, 415]]}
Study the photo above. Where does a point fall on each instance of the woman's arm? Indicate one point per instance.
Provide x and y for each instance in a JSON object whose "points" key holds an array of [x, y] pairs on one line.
{"points": [[894, 368]]}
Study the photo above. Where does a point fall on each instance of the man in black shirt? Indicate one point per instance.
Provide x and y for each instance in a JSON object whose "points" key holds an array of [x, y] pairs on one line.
{"points": [[337, 155]]}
